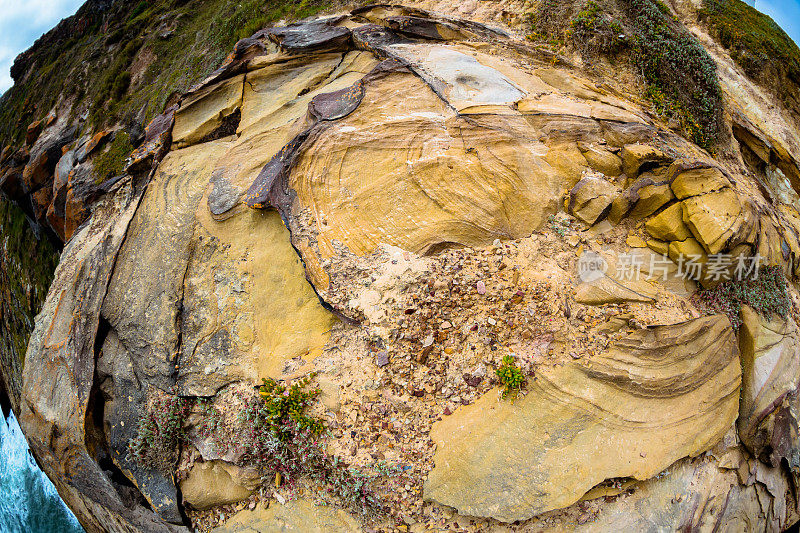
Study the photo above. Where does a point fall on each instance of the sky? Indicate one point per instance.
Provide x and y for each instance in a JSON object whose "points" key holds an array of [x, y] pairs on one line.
{"points": [[23, 21], [785, 12]]}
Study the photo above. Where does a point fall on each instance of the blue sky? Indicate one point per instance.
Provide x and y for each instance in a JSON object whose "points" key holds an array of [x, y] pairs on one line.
{"points": [[23, 21], [785, 12]]}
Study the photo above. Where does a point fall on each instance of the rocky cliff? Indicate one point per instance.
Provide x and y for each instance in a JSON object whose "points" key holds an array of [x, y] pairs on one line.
{"points": [[495, 266]]}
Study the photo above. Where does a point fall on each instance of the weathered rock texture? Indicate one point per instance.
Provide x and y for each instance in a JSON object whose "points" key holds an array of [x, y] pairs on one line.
{"points": [[397, 199], [656, 396]]}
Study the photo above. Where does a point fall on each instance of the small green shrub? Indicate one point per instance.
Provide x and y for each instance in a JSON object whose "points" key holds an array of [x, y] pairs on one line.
{"points": [[279, 437], [282, 403], [510, 376], [767, 295], [160, 434], [595, 32]]}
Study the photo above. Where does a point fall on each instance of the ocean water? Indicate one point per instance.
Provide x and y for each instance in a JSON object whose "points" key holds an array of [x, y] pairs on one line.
{"points": [[29, 502]]}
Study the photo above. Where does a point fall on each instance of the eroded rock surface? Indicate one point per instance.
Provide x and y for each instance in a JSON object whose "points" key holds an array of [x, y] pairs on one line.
{"points": [[581, 424], [397, 199], [299, 515]]}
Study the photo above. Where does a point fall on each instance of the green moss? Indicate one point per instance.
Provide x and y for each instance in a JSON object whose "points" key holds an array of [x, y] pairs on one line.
{"points": [[111, 162]]}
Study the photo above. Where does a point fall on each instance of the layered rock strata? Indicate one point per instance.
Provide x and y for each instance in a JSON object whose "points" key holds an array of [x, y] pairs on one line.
{"points": [[396, 199]]}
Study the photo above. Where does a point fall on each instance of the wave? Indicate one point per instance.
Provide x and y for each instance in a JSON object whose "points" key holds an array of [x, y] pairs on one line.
{"points": [[29, 502]]}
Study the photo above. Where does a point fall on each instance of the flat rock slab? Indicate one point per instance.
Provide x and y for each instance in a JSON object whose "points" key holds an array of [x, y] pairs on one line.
{"points": [[459, 78], [297, 515], [311, 36], [656, 396]]}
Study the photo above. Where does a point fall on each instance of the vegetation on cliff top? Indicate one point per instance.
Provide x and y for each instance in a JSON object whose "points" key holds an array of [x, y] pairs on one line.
{"points": [[753, 38], [679, 75], [758, 45], [121, 63]]}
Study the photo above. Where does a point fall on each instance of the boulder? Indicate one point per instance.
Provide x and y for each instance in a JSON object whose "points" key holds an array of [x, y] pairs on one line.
{"points": [[41, 200], [715, 218], [35, 128], [691, 257], [698, 181], [311, 36], [652, 197], [590, 200], [655, 396], [769, 408], [426, 28], [636, 156], [668, 225], [44, 156], [659, 247], [157, 140], [297, 515], [215, 483], [91, 144], [621, 206], [602, 160], [205, 111], [33, 131]]}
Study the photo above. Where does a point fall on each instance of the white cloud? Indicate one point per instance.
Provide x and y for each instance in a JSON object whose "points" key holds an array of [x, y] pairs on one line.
{"points": [[24, 21]]}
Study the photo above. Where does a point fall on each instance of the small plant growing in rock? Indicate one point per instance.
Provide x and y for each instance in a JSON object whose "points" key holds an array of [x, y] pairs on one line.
{"points": [[279, 437], [766, 294], [511, 377], [558, 225], [160, 434], [282, 403]]}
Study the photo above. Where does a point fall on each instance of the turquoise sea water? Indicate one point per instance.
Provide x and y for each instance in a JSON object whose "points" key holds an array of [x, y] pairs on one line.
{"points": [[29, 502]]}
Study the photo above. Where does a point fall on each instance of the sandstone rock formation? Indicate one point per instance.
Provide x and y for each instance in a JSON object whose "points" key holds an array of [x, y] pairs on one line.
{"points": [[581, 424], [299, 515], [388, 201]]}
